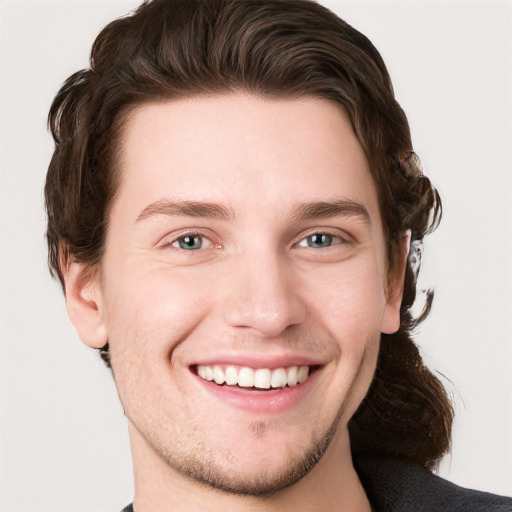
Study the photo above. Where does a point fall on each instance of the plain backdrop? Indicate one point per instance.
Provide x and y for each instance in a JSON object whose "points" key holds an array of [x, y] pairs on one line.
{"points": [[63, 439]]}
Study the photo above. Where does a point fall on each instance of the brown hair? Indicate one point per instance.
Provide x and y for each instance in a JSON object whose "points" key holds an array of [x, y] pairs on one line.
{"points": [[274, 48]]}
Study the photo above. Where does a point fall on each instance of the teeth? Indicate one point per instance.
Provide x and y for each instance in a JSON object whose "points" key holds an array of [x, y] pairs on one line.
{"points": [[302, 374], [246, 378], [278, 379], [218, 375], [291, 376], [231, 376], [262, 378]]}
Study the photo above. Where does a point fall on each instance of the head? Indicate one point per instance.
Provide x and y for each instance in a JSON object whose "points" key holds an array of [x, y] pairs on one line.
{"points": [[185, 60]]}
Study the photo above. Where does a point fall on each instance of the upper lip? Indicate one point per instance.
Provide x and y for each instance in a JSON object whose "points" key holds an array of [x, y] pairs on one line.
{"points": [[258, 360]]}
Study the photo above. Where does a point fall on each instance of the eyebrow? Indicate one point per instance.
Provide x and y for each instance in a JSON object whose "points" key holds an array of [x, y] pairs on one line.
{"points": [[333, 208], [186, 209], [305, 211]]}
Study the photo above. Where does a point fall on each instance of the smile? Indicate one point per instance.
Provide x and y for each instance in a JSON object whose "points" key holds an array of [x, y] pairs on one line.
{"points": [[261, 378]]}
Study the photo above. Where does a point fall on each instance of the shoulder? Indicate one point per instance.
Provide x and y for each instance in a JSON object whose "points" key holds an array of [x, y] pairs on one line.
{"points": [[396, 485]]}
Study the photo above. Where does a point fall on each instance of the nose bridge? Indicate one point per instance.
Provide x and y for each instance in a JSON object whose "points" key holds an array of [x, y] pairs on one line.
{"points": [[262, 294]]}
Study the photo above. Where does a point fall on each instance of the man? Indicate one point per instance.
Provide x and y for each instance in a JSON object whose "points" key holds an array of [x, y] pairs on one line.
{"points": [[231, 206]]}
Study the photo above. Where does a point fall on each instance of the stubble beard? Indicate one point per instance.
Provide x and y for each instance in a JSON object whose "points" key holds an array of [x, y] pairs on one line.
{"points": [[202, 464], [204, 467]]}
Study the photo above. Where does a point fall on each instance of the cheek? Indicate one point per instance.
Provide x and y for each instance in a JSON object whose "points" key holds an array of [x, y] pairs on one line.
{"points": [[351, 297], [149, 318], [152, 312]]}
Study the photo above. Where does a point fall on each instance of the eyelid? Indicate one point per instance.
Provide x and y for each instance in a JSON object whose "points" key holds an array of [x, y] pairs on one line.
{"points": [[171, 238], [343, 236]]}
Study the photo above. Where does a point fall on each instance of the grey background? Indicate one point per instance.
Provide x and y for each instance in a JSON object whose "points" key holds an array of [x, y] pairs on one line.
{"points": [[63, 439]]}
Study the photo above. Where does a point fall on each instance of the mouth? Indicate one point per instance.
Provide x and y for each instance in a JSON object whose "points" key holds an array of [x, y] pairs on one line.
{"points": [[254, 378]]}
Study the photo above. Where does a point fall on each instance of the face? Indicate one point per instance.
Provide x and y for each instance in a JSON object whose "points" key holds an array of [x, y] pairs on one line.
{"points": [[243, 287]]}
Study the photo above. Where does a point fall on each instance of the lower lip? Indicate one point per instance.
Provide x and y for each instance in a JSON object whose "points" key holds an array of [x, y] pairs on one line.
{"points": [[260, 401]]}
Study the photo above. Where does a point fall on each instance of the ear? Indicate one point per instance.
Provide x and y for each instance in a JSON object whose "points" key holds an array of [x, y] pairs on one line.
{"points": [[83, 303], [395, 289]]}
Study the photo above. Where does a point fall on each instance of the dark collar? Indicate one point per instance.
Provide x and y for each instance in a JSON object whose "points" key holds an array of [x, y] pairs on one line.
{"points": [[395, 485]]}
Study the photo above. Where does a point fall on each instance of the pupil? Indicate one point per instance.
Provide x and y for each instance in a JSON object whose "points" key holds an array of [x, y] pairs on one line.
{"points": [[320, 240], [191, 242]]}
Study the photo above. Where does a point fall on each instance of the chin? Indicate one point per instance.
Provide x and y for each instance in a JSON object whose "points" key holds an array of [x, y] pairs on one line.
{"points": [[261, 477], [267, 466]]}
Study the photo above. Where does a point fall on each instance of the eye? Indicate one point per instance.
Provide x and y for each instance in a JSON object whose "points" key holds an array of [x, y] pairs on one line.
{"points": [[320, 241], [189, 242]]}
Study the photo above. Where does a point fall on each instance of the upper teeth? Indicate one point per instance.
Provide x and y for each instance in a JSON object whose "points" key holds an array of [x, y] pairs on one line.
{"points": [[262, 378]]}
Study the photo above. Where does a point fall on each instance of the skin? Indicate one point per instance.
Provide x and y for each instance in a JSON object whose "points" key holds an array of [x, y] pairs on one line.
{"points": [[258, 291]]}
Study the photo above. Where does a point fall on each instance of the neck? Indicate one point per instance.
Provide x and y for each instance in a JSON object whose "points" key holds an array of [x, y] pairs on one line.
{"points": [[332, 485]]}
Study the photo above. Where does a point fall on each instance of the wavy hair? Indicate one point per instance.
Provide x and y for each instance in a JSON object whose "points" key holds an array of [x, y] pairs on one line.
{"points": [[169, 49]]}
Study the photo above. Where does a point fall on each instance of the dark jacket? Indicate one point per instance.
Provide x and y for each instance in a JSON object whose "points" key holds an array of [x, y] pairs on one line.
{"points": [[394, 485]]}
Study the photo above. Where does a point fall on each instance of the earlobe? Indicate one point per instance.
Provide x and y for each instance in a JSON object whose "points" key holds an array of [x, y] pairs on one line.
{"points": [[391, 318], [84, 305]]}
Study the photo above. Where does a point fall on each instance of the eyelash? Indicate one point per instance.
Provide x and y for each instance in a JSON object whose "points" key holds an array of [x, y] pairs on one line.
{"points": [[174, 243], [336, 240]]}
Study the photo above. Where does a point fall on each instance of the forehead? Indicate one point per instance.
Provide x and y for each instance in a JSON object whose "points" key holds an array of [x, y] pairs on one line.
{"points": [[242, 150]]}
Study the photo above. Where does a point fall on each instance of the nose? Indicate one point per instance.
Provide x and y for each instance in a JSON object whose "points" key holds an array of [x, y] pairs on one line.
{"points": [[263, 296]]}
